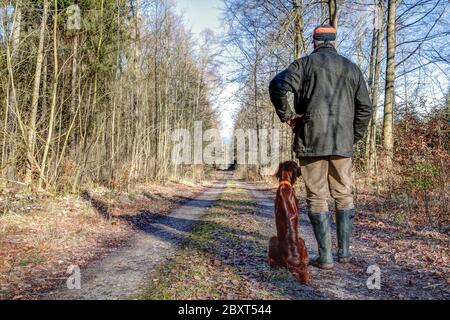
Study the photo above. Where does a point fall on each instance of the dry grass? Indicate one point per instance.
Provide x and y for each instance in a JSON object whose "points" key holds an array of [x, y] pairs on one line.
{"points": [[42, 235]]}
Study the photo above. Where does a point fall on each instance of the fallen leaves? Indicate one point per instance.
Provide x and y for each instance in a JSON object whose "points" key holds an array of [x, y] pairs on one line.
{"points": [[416, 249], [41, 235]]}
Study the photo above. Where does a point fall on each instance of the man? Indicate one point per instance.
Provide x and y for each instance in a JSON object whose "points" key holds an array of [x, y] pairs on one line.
{"points": [[332, 111]]}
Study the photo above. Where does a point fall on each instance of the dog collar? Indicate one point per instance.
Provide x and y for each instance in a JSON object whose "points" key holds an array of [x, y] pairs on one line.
{"points": [[286, 183]]}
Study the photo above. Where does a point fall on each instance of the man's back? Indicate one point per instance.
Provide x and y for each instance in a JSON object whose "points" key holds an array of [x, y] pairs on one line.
{"points": [[330, 83], [331, 93]]}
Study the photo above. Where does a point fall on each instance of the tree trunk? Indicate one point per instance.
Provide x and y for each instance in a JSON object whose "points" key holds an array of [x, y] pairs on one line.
{"points": [[371, 80], [35, 97], [11, 99], [332, 12], [389, 94], [74, 86], [360, 48], [299, 43], [42, 175], [374, 87], [374, 91]]}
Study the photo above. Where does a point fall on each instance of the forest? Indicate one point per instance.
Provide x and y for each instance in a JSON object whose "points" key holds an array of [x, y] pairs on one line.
{"points": [[91, 92], [93, 100]]}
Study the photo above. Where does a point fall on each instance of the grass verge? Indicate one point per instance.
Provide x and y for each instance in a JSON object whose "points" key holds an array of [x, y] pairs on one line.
{"points": [[223, 257]]}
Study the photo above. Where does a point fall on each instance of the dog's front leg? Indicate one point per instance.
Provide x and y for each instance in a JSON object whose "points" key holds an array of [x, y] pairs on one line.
{"points": [[274, 257]]}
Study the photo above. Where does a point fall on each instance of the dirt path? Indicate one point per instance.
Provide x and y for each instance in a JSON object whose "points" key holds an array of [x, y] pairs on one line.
{"points": [[349, 281], [121, 274], [215, 246]]}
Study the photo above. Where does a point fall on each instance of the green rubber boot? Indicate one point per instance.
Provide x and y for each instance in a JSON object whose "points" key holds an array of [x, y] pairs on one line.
{"points": [[344, 225], [321, 223]]}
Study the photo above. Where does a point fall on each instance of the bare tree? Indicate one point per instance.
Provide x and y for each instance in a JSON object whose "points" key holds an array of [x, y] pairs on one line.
{"points": [[333, 13], [35, 96], [389, 92], [374, 77]]}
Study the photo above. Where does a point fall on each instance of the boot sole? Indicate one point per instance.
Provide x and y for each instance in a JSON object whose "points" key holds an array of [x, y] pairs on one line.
{"points": [[327, 266], [344, 260]]}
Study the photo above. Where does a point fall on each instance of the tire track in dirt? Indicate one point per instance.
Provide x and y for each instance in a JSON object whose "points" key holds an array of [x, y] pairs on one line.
{"points": [[123, 273]]}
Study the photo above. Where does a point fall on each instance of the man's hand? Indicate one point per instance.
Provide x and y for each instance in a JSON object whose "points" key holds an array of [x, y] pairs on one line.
{"points": [[292, 122]]}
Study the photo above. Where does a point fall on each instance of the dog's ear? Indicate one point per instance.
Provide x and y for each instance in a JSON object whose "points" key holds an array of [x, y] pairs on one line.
{"points": [[280, 169], [299, 171]]}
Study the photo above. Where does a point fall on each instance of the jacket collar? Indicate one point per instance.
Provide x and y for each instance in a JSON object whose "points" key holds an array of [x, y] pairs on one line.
{"points": [[325, 48]]}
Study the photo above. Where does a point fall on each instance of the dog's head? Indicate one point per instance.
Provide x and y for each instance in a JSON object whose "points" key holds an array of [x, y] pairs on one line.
{"points": [[288, 170]]}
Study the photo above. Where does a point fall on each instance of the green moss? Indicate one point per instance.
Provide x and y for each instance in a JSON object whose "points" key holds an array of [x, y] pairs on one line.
{"points": [[34, 259]]}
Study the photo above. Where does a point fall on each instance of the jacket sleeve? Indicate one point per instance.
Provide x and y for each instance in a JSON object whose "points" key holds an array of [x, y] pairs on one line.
{"points": [[363, 109], [289, 80]]}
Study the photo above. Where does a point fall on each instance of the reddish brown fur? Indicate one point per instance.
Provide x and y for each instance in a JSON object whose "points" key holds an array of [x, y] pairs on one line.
{"points": [[287, 249]]}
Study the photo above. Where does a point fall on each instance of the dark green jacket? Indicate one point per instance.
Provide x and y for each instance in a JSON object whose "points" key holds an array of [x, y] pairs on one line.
{"points": [[330, 91]]}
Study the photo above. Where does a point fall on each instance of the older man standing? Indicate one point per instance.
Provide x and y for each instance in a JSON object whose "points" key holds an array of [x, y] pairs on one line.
{"points": [[332, 111]]}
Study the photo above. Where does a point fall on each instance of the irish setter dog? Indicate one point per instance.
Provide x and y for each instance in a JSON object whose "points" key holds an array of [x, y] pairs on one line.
{"points": [[287, 249]]}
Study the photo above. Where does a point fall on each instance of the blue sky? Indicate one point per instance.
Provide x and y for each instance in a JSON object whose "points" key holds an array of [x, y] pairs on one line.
{"points": [[199, 15]]}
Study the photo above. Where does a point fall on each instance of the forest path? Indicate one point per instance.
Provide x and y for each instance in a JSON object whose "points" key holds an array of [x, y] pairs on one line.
{"points": [[215, 246], [121, 274]]}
